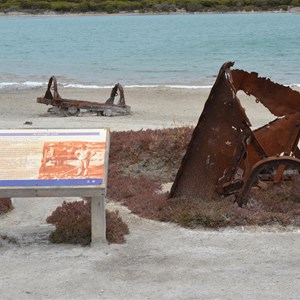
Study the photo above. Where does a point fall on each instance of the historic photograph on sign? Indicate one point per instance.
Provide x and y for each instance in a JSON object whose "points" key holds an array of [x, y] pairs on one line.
{"points": [[72, 159], [58, 157]]}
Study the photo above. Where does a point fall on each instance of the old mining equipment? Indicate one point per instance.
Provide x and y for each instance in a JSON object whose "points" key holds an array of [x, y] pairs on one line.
{"points": [[224, 155], [70, 107]]}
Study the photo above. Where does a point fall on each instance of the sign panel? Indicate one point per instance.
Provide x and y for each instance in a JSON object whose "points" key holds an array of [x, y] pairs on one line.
{"points": [[53, 157]]}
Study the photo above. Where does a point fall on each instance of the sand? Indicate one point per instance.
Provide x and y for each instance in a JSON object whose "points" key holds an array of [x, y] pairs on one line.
{"points": [[159, 260], [154, 108]]}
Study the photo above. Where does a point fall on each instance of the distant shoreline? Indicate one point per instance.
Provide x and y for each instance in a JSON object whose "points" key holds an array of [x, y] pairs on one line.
{"points": [[55, 14], [32, 85]]}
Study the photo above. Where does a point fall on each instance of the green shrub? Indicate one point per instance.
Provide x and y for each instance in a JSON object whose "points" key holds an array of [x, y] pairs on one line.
{"points": [[114, 6], [63, 6], [28, 4]]}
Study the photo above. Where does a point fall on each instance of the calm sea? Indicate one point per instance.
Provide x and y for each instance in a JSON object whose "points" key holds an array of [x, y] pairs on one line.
{"points": [[176, 50]]}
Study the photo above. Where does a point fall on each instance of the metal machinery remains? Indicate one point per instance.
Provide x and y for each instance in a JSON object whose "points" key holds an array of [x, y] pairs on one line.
{"points": [[68, 107], [224, 155]]}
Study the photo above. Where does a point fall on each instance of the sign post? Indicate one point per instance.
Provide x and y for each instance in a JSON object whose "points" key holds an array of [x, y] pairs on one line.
{"points": [[57, 163]]}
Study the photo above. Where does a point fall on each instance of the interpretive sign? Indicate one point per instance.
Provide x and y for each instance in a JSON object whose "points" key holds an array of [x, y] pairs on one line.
{"points": [[52, 157], [56, 162]]}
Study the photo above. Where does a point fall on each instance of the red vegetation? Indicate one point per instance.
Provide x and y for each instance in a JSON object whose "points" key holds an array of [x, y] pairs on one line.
{"points": [[156, 154], [73, 224], [5, 205], [139, 163]]}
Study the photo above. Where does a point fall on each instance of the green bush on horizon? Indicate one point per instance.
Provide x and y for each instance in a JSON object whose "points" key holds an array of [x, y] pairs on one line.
{"points": [[115, 6]]}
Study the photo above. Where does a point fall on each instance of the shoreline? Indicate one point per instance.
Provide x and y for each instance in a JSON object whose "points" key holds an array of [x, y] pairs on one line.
{"points": [[103, 14], [6, 86], [151, 108], [70, 89]]}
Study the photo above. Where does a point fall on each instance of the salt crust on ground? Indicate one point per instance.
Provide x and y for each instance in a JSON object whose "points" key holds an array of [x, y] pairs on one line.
{"points": [[159, 260]]}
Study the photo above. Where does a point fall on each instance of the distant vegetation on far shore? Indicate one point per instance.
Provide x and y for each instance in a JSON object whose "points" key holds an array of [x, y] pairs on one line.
{"points": [[144, 6]]}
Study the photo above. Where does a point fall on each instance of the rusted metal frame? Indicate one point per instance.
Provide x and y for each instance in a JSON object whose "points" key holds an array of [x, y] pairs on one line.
{"points": [[48, 94], [52, 84], [279, 173], [65, 103], [279, 136], [252, 140], [71, 107], [231, 186], [295, 148], [227, 184], [257, 146], [114, 93], [267, 163], [55, 90], [53, 81], [272, 96], [297, 152], [55, 97], [280, 100]]}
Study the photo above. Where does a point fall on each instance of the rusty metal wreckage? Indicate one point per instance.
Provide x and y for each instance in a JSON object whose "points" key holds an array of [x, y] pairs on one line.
{"points": [[70, 107], [224, 155]]}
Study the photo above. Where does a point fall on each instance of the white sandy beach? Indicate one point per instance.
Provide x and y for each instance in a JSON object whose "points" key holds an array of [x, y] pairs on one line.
{"points": [[153, 108], [159, 260]]}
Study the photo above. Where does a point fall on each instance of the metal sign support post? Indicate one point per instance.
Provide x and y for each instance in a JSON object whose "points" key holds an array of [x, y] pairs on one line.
{"points": [[98, 219]]}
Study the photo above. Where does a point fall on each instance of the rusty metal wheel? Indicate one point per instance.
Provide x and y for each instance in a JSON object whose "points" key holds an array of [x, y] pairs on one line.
{"points": [[273, 164]]}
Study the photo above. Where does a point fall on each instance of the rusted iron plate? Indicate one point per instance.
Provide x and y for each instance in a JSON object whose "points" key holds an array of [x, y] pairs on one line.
{"points": [[280, 100], [214, 141], [223, 151], [277, 137]]}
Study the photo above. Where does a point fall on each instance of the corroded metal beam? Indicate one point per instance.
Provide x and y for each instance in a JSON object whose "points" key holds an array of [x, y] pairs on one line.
{"points": [[71, 107]]}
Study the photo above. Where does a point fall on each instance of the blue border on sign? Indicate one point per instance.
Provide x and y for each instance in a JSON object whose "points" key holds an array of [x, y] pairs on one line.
{"points": [[52, 182], [49, 133]]}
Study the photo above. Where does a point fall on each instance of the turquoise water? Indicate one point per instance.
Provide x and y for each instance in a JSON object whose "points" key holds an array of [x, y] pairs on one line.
{"points": [[180, 50]]}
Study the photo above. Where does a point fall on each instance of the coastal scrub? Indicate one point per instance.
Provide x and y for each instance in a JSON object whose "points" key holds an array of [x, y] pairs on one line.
{"points": [[140, 163]]}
